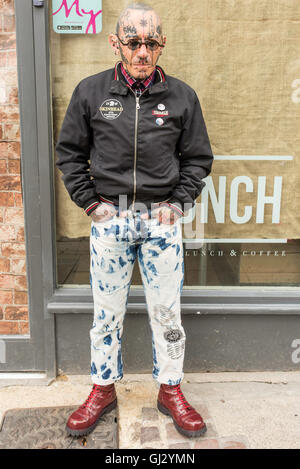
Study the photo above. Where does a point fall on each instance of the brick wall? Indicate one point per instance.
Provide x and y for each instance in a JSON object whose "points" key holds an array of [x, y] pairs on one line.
{"points": [[13, 282]]}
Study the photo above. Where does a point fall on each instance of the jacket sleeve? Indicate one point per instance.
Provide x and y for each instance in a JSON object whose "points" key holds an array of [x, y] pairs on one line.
{"points": [[195, 156], [73, 149]]}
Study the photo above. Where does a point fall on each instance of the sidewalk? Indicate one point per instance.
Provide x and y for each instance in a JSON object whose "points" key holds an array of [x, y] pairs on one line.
{"points": [[242, 410]]}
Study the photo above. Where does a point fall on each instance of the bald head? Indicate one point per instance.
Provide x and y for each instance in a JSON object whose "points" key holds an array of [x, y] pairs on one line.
{"points": [[126, 19]]}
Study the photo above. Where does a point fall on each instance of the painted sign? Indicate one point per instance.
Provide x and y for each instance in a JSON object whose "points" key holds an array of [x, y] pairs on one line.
{"points": [[238, 196], [77, 16]]}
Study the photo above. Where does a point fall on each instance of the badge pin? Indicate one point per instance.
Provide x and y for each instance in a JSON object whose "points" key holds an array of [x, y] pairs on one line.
{"points": [[161, 107], [159, 121]]}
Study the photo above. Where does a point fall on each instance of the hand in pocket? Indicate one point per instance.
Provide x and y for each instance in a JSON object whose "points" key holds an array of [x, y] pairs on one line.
{"points": [[103, 212]]}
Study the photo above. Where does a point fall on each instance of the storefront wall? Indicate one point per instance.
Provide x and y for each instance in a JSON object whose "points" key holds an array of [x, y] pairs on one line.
{"points": [[240, 301]]}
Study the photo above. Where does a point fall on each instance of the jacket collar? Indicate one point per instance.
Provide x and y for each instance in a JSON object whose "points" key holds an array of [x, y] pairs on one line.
{"points": [[118, 86]]}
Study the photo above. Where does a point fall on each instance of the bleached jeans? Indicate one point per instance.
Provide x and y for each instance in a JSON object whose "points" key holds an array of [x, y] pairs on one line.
{"points": [[114, 246]]}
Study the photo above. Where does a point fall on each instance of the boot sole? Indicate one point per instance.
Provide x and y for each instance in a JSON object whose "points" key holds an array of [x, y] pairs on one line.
{"points": [[86, 431], [188, 433]]}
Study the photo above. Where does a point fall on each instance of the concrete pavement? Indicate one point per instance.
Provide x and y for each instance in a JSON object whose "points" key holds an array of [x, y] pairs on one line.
{"points": [[242, 410]]}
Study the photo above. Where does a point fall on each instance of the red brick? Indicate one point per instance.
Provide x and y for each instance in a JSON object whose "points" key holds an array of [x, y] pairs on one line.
{"points": [[7, 233], [3, 58], [7, 6], [11, 132], [13, 250], [20, 236], [10, 183], [16, 313], [21, 298], [7, 199], [207, 444], [13, 95], [18, 199], [6, 297], [24, 327], [9, 76], [4, 264], [9, 327], [20, 282], [9, 113], [18, 266], [13, 166], [7, 281], [9, 23], [3, 166], [11, 59], [15, 216], [10, 150], [7, 40]]}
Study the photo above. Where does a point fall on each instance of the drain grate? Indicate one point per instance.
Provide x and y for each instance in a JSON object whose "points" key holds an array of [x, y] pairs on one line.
{"points": [[44, 428]]}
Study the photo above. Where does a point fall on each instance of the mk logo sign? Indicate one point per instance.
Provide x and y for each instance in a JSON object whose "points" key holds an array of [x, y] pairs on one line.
{"points": [[77, 16]]}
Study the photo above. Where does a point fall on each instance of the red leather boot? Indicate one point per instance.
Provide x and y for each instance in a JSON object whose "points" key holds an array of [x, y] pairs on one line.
{"points": [[187, 420], [102, 399]]}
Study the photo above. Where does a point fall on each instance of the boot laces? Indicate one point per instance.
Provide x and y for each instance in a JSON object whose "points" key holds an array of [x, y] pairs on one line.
{"points": [[94, 391], [182, 399]]}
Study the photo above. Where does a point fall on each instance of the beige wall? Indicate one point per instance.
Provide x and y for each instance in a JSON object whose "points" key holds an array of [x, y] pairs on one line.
{"points": [[242, 58]]}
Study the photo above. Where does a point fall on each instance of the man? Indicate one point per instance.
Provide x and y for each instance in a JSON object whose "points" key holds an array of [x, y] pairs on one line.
{"points": [[148, 147]]}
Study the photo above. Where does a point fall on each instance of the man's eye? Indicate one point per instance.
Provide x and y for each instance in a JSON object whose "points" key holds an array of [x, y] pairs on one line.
{"points": [[133, 44], [152, 45]]}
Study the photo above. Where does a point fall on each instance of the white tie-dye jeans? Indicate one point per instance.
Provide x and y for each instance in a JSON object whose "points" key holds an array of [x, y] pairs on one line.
{"points": [[114, 246]]}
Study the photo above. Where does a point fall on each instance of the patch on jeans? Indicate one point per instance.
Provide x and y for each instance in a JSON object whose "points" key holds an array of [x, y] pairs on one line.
{"points": [[173, 335], [164, 315], [176, 350]]}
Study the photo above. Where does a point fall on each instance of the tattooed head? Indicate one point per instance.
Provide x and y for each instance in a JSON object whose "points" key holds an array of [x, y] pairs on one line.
{"points": [[137, 25]]}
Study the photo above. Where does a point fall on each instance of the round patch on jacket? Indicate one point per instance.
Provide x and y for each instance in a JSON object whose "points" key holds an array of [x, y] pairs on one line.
{"points": [[111, 109]]}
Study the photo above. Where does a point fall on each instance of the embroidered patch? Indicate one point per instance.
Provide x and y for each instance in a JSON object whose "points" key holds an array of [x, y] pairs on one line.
{"points": [[161, 107], [159, 121], [111, 109], [160, 113], [173, 335], [163, 315], [176, 350]]}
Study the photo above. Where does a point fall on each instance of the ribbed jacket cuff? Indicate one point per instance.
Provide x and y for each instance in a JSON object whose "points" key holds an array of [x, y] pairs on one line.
{"points": [[91, 206], [176, 206]]}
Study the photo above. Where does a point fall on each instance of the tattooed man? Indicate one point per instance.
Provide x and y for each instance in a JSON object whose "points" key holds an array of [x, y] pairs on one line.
{"points": [[134, 151]]}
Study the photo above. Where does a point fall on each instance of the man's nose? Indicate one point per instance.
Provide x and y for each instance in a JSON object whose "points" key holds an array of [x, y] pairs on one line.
{"points": [[143, 51]]}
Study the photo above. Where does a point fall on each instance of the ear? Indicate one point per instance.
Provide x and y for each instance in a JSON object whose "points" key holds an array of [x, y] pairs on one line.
{"points": [[164, 40], [113, 40]]}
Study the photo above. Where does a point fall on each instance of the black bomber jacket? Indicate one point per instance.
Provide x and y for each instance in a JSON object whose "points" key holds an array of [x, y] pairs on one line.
{"points": [[151, 149]]}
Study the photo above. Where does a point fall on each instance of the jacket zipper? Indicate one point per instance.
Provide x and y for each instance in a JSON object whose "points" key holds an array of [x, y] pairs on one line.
{"points": [[137, 108]]}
